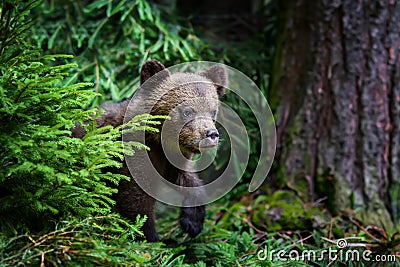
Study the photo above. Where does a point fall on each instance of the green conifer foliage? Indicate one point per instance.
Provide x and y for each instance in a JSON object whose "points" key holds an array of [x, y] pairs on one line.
{"points": [[43, 171]]}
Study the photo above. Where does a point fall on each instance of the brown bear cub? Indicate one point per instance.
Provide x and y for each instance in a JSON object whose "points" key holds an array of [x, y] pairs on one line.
{"points": [[182, 97]]}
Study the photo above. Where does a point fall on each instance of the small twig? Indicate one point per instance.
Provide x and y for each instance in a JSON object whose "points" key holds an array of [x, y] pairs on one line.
{"points": [[97, 74], [330, 228], [303, 239], [31, 239], [170, 231], [66, 233], [41, 240], [294, 243], [252, 226], [42, 260], [366, 231]]}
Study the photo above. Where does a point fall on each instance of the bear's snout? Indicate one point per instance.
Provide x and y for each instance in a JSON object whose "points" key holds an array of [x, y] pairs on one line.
{"points": [[212, 134], [211, 138]]}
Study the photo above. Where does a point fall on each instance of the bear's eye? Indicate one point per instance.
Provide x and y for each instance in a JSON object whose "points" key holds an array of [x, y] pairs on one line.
{"points": [[187, 113]]}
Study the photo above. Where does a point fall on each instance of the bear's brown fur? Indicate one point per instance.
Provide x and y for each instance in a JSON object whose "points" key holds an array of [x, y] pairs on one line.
{"points": [[172, 90]]}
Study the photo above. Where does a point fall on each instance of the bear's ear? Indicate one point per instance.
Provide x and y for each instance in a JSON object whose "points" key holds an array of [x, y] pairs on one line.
{"points": [[150, 68], [217, 74]]}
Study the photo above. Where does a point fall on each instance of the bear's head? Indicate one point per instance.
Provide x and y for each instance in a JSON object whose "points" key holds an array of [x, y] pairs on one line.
{"points": [[191, 100]]}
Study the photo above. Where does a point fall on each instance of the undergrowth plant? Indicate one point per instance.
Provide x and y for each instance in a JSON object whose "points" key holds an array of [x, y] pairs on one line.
{"points": [[44, 172], [55, 196]]}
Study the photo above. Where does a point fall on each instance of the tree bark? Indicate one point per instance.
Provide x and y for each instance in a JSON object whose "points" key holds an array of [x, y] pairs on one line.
{"points": [[336, 79]]}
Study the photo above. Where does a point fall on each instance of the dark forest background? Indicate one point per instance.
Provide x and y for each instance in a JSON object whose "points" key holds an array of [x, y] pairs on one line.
{"points": [[329, 69]]}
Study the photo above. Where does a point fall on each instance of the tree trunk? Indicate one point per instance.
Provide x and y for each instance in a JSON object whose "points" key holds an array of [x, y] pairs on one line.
{"points": [[337, 81]]}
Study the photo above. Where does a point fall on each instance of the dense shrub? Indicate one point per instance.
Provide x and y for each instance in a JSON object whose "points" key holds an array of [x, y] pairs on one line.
{"points": [[43, 170]]}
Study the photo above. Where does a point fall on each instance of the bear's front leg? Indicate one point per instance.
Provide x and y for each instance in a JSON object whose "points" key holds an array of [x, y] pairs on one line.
{"points": [[133, 201], [191, 219]]}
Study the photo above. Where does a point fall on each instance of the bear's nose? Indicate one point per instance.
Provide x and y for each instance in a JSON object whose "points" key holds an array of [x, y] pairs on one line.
{"points": [[212, 133]]}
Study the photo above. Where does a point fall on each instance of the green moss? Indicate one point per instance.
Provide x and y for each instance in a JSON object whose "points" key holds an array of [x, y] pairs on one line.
{"points": [[283, 210]]}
